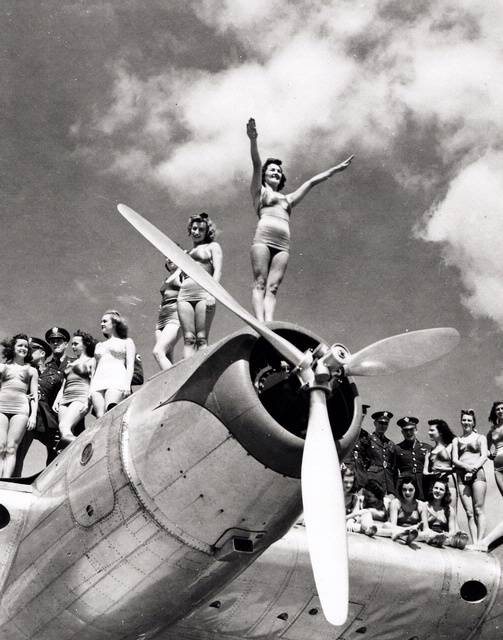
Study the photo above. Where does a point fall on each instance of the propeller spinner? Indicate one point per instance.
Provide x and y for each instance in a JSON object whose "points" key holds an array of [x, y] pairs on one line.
{"points": [[322, 490]]}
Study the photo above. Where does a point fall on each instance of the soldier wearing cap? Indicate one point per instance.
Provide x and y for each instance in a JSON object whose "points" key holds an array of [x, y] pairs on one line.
{"points": [[381, 453], [410, 454], [46, 430], [58, 338], [358, 459]]}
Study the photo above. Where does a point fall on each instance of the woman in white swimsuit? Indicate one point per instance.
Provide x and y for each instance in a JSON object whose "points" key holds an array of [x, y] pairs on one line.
{"points": [[271, 243], [111, 381]]}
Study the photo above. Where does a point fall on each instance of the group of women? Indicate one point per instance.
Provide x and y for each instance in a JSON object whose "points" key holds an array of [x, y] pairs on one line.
{"points": [[100, 376], [454, 467], [188, 310]]}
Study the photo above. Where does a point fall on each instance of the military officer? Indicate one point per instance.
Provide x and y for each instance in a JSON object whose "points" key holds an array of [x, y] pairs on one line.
{"points": [[381, 453], [358, 456], [58, 338], [410, 454]]}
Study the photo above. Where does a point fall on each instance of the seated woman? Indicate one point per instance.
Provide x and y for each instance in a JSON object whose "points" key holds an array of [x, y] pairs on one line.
{"points": [[73, 400], [167, 328], [196, 307], [407, 514], [441, 526], [18, 399], [370, 512], [349, 485]]}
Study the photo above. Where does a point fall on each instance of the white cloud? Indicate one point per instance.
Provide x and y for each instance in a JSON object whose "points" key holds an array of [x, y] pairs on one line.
{"points": [[323, 72], [469, 225]]}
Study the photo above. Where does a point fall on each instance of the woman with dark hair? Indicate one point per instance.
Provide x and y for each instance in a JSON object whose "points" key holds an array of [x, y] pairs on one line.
{"points": [[469, 454], [167, 328], [271, 244], [495, 442], [438, 461], [18, 399], [441, 526], [407, 514], [73, 400], [370, 511], [111, 379], [196, 307], [349, 486]]}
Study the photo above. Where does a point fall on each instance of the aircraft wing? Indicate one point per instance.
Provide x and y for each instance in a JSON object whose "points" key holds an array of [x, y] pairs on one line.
{"points": [[395, 592]]}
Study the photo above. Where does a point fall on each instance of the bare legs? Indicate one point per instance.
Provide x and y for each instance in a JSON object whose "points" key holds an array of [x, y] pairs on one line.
{"points": [[165, 345], [473, 498], [196, 319], [68, 416], [12, 429], [105, 400], [269, 267]]}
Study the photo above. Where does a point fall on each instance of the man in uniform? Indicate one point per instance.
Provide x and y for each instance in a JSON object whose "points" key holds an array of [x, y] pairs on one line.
{"points": [[58, 338], [410, 454], [358, 456], [380, 452], [46, 429]]}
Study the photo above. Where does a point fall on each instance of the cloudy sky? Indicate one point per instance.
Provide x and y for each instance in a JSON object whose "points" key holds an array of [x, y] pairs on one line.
{"points": [[146, 104]]}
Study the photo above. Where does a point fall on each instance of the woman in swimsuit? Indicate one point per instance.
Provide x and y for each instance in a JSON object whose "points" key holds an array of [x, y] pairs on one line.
{"points": [[271, 243], [441, 522], [18, 399], [370, 511], [407, 514], [495, 442], [438, 461], [469, 454], [74, 398], [196, 308], [167, 328], [111, 380]]}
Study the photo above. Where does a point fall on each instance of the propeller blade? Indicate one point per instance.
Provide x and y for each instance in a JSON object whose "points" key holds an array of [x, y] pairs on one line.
{"points": [[324, 512], [189, 266], [404, 351]]}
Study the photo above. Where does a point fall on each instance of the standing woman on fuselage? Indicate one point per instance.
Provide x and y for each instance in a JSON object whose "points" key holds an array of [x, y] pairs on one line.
{"points": [[196, 307], [495, 442], [18, 399], [111, 380], [271, 243], [469, 454]]}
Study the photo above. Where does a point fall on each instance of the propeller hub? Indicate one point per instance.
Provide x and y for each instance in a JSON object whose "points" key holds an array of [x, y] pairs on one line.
{"points": [[338, 355]]}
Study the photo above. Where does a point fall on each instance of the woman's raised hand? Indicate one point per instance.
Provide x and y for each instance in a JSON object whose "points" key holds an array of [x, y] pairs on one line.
{"points": [[251, 129], [344, 165]]}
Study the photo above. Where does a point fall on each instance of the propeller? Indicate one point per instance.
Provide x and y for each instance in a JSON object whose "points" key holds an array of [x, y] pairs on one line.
{"points": [[394, 354], [322, 490]]}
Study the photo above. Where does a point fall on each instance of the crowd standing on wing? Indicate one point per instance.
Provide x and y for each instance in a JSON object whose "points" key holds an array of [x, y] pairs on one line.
{"points": [[409, 491]]}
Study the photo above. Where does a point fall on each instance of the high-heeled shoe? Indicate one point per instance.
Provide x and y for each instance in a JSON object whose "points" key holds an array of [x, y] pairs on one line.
{"points": [[64, 442]]}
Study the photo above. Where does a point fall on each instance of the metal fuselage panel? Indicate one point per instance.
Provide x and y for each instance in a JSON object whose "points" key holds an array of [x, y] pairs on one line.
{"points": [[396, 593]]}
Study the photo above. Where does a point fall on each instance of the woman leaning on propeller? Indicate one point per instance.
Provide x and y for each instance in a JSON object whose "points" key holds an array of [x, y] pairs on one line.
{"points": [[271, 243]]}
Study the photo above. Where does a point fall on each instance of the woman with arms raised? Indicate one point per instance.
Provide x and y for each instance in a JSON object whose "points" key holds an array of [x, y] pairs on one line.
{"points": [[18, 399], [271, 244], [196, 308]]}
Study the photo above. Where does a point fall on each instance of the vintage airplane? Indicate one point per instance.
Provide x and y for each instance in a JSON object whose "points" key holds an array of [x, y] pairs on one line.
{"points": [[174, 516]]}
